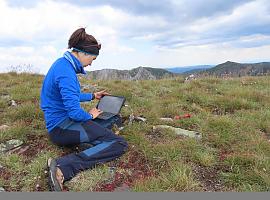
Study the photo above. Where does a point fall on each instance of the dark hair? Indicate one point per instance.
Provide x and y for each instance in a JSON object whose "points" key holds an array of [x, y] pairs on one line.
{"points": [[84, 42]]}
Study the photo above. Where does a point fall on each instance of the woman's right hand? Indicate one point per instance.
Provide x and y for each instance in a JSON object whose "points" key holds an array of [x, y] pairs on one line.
{"points": [[95, 112]]}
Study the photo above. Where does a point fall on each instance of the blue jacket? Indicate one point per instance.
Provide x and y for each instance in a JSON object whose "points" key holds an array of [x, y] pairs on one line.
{"points": [[60, 93]]}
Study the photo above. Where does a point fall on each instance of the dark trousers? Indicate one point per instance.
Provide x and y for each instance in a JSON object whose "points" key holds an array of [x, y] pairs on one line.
{"points": [[106, 144]]}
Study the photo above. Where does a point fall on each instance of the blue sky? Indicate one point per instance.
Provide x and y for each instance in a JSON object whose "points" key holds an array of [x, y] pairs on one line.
{"points": [[136, 33]]}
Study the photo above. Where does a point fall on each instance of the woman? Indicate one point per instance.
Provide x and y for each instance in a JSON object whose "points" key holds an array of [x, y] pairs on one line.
{"points": [[67, 122]]}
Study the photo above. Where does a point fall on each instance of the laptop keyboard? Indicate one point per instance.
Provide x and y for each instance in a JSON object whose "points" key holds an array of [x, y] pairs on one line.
{"points": [[105, 114]]}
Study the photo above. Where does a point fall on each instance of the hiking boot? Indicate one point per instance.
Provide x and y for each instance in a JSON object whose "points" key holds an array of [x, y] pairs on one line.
{"points": [[56, 177]]}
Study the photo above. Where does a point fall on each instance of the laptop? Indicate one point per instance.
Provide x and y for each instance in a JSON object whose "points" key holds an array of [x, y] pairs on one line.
{"points": [[110, 105]]}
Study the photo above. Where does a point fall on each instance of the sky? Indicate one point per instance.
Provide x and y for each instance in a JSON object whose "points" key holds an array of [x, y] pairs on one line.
{"points": [[133, 33]]}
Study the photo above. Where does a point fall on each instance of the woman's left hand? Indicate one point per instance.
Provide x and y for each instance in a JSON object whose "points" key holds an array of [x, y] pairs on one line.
{"points": [[100, 94]]}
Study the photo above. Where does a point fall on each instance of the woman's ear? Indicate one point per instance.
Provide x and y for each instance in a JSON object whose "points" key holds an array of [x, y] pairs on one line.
{"points": [[80, 53]]}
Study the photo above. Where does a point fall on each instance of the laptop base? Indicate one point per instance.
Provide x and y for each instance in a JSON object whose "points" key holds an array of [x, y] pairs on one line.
{"points": [[105, 115]]}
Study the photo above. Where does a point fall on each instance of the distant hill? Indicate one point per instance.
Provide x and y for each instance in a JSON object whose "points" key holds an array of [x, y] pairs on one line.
{"points": [[139, 73], [227, 69], [188, 69], [195, 71], [233, 69]]}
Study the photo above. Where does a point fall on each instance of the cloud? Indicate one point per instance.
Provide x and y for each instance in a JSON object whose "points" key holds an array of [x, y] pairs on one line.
{"points": [[22, 4], [166, 23], [166, 8], [174, 24], [252, 18], [171, 9], [47, 24], [134, 32], [52, 22]]}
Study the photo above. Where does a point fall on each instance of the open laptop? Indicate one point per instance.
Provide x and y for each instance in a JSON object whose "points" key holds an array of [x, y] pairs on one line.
{"points": [[110, 105]]}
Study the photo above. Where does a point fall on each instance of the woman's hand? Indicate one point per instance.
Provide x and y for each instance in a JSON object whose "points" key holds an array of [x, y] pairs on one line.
{"points": [[95, 112], [100, 94]]}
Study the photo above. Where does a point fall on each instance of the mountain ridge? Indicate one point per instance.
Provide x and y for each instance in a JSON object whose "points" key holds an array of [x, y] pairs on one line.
{"points": [[234, 69], [227, 69], [139, 73]]}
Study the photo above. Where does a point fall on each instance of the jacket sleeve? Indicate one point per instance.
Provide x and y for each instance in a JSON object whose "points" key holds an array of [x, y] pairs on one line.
{"points": [[67, 84], [86, 96]]}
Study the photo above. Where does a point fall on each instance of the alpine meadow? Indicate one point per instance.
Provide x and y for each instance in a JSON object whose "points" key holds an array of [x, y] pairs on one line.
{"points": [[231, 115]]}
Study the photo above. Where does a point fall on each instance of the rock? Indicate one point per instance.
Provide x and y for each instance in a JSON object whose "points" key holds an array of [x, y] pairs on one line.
{"points": [[131, 118], [179, 131], [4, 127], [112, 170], [22, 150], [38, 187], [166, 119], [10, 145], [142, 119], [190, 77], [2, 189], [13, 103], [136, 118]]}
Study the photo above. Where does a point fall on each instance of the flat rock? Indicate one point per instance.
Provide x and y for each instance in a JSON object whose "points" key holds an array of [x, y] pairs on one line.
{"points": [[20, 150], [10, 145], [180, 131]]}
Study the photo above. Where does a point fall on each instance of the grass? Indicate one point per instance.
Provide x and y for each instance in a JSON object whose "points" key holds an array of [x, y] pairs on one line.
{"points": [[87, 180], [177, 178], [232, 115]]}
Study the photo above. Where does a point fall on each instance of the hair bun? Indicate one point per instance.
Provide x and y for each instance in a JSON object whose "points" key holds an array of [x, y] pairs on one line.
{"points": [[76, 37], [83, 41], [82, 34]]}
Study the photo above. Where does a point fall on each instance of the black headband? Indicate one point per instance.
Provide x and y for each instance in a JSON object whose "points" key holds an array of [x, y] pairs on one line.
{"points": [[91, 48]]}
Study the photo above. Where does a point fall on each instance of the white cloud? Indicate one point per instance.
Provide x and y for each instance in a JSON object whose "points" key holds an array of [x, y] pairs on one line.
{"points": [[251, 18], [39, 34], [210, 54]]}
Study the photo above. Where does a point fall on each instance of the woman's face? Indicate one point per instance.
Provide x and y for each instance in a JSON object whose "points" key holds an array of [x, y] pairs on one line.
{"points": [[86, 59]]}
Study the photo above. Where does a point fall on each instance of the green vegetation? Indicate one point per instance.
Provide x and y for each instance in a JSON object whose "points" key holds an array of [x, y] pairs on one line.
{"points": [[232, 115]]}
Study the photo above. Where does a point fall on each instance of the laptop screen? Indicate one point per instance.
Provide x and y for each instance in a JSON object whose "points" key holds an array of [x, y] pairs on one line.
{"points": [[111, 104]]}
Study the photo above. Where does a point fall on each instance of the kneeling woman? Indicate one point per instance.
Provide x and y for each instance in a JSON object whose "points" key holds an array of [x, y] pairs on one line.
{"points": [[67, 122]]}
